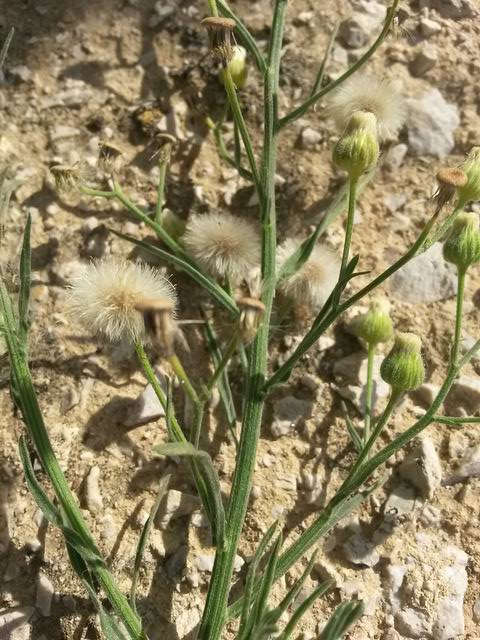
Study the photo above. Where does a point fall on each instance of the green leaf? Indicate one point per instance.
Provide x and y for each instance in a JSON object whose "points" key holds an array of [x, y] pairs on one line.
{"points": [[266, 582], [223, 383], [215, 290], [302, 609], [214, 504], [343, 617], [246, 619], [142, 541], [110, 627], [25, 275], [357, 441], [5, 46]]}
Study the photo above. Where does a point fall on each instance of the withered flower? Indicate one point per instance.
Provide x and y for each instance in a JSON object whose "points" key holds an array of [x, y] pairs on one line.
{"points": [[222, 41]]}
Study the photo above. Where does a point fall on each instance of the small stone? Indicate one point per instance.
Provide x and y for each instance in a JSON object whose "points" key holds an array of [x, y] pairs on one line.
{"points": [[44, 595], [288, 412], [327, 571], [96, 242], [146, 407], [438, 279], [423, 469], [93, 497], [413, 623], [176, 505], [70, 399], [425, 394], [395, 156], [429, 27], [20, 73], [14, 623], [60, 132], [464, 397], [204, 562], [356, 31], [455, 9], [351, 374], [425, 60], [400, 502], [309, 138], [470, 464], [431, 123], [394, 202], [186, 622], [457, 444], [359, 551]]}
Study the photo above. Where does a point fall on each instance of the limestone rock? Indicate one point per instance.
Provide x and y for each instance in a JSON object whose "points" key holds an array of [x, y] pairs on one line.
{"points": [[288, 412], [146, 407], [423, 469], [431, 123]]}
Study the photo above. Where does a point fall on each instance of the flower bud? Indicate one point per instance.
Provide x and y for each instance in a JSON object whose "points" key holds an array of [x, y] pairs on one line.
{"points": [[357, 150], [403, 367], [251, 313], [375, 326], [238, 67], [462, 246], [471, 167]]}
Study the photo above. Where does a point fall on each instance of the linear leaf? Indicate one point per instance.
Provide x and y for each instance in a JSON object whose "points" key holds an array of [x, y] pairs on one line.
{"points": [[110, 627], [25, 276], [215, 290], [5, 46], [143, 539], [302, 609], [352, 431], [216, 510], [266, 583], [343, 617]]}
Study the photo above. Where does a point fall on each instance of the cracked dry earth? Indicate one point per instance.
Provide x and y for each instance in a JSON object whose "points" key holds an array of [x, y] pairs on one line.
{"points": [[75, 73]]}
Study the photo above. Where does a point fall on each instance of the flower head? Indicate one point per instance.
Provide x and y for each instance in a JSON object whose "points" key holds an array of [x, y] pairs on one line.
{"points": [[403, 367], [369, 93], [226, 246], [462, 247], [449, 179], [67, 178], [238, 67], [220, 33], [357, 150], [252, 311], [106, 296], [375, 326], [471, 166], [314, 281]]}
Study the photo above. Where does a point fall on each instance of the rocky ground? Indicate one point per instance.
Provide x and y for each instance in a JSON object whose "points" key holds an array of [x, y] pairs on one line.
{"points": [[77, 73]]}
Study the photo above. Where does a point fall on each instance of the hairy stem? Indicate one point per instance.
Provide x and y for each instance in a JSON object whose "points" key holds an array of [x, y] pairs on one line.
{"points": [[457, 339], [369, 392], [160, 191]]}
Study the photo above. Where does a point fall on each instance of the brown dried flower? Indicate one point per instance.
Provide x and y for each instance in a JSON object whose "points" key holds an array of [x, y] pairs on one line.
{"points": [[449, 180], [251, 314], [222, 40]]}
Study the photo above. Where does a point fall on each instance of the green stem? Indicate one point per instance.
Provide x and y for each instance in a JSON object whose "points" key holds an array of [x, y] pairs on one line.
{"points": [[96, 193], [369, 392], [458, 318], [456, 421], [215, 610], [242, 127], [352, 197], [212, 4], [184, 379], [160, 192], [226, 357]]}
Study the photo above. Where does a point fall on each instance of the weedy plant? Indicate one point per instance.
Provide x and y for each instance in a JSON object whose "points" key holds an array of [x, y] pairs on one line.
{"points": [[238, 264]]}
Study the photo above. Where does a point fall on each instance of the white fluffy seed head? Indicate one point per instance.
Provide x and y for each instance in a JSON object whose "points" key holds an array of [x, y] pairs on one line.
{"points": [[104, 296], [226, 246], [364, 92], [314, 281]]}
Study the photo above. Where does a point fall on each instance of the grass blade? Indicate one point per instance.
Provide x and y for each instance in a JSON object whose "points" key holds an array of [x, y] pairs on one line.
{"points": [[352, 431], [6, 46], [344, 616], [142, 541], [301, 610], [25, 277], [216, 510]]}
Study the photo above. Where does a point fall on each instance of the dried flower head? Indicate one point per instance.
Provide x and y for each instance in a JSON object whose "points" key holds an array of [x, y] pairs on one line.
{"points": [[165, 143], [110, 157], [222, 40], [105, 297], [449, 179], [312, 284], [368, 93], [226, 246], [160, 325], [66, 177], [252, 311]]}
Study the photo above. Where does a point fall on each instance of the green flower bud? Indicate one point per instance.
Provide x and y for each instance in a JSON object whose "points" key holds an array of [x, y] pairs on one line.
{"points": [[403, 367], [462, 247], [375, 326], [357, 150], [237, 66], [471, 167]]}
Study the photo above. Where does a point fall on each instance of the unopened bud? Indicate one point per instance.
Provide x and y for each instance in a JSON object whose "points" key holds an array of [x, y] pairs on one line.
{"points": [[173, 224], [471, 167], [238, 67], [357, 150], [251, 313], [375, 326], [160, 326], [403, 367], [110, 157], [222, 41], [164, 146], [462, 247]]}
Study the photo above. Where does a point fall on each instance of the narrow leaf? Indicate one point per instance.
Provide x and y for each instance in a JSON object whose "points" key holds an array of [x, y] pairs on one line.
{"points": [[357, 441], [301, 610], [266, 584], [25, 275], [110, 627], [344, 616], [142, 542], [5, 46], [215, 290], [216, 511]]}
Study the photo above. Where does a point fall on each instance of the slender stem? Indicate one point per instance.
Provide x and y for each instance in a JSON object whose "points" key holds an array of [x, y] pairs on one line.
{"points": [[96, 193], [456, 421], [321, 71], [457, 339], [443, 228], [352, 197], [242, 127], [226, 357], [300, 111], [215, 610], [183, 377], [369, 392], [213, 7], [160, 192]]}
